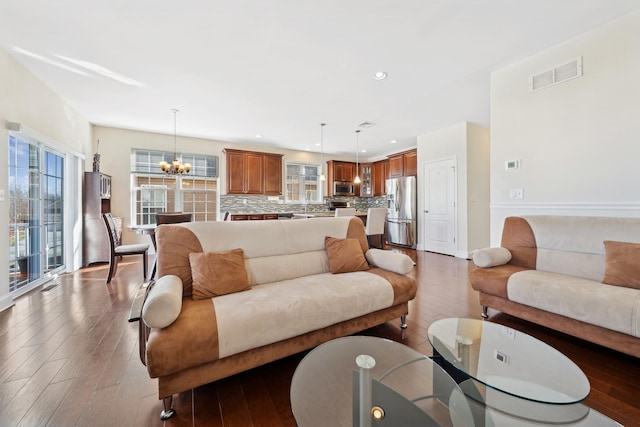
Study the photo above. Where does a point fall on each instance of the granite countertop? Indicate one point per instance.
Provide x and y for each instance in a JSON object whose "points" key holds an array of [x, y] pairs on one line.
{"points": [[309, 214]]}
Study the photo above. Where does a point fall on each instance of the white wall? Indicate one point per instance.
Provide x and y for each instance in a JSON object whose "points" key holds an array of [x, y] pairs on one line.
{"points": [[578, 141], [115, 160], [468, 144], [24, 99]]}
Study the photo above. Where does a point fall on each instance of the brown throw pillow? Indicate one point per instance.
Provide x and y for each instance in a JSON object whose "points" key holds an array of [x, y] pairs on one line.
{"points": [[218, 273], [622, 264], [345, 255]]}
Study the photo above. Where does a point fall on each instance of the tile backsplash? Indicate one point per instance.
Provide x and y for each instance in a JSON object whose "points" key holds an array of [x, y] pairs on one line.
{"points": [[269, 204]]}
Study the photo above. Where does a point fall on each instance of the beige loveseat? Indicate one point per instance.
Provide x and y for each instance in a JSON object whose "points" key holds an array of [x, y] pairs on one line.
{"points": [[578, 275], [292, 303]]}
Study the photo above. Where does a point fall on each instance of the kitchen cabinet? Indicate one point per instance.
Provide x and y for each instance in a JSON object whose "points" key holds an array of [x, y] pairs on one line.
{"points": [[254, 217], [403, 164], [250, 172], [96, 200], [339, 171], [380, 178], [342, 171], [272, 174], [411, 163], [366, 178]]}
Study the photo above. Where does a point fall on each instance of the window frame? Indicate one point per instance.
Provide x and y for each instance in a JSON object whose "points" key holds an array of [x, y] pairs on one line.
{"points": [[302, 183], [173, 188]]}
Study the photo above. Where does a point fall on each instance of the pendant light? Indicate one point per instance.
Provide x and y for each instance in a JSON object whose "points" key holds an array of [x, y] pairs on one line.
{"points": [[175, 167], [357, 178], [322, 177]]}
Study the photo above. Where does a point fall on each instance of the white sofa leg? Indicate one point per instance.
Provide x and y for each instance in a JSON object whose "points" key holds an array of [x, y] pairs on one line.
{"points": [[484, 312], [168, 411]]}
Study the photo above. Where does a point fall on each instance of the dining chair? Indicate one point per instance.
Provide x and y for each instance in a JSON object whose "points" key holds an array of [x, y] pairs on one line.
{"points": [[167, 218], [345, 212], [376, 218], [118, 251]]}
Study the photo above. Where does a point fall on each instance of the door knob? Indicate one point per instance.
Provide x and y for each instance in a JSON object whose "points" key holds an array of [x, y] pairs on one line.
{"points": [[426, 211]]}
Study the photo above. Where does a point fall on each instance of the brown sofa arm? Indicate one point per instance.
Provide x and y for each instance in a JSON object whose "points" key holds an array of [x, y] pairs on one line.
{"points": [[135, 315]]}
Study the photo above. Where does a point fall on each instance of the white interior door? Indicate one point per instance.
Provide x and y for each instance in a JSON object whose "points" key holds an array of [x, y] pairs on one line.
{"points": [[440, 207]]}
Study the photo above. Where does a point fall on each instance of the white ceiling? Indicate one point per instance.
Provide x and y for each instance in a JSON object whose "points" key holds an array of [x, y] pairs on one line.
{"points": [[279, 68]]}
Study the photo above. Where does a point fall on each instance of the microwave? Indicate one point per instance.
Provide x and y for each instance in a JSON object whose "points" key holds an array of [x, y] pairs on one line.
{"points": [[343, 189]]}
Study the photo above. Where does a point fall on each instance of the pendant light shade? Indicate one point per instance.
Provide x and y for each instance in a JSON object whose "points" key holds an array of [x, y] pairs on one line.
{"points": [[357, 178], [322, 176]]}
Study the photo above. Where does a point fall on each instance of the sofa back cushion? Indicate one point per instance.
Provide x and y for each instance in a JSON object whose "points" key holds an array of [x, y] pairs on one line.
{"points": [[274, 250], [573, 245]]}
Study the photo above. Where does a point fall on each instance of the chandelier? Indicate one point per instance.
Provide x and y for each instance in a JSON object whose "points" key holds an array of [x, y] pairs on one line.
{"points": [[175, 167]]}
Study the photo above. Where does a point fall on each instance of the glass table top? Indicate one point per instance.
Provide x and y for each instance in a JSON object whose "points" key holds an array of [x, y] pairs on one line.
{"points": [[509, 361], [323, 385]]}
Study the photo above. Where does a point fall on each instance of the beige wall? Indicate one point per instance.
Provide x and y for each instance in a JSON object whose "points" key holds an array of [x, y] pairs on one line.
{"points": [[25, 99], [577, 141], [115, 160], [468, 144]]}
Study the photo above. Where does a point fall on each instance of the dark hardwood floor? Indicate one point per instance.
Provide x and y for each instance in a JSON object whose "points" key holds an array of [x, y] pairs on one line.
{"points": [[70, 358]]}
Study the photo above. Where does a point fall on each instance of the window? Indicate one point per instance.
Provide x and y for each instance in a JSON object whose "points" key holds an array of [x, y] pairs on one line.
{"points": [[154, 191], [303, 183], [36, 213]]}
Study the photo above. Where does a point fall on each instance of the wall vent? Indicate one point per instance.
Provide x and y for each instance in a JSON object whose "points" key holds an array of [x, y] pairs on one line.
{"points": [[559, 74]]}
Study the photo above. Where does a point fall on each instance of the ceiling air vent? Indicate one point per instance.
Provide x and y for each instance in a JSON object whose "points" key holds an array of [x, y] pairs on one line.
{"points": [[366, 124], [559, 74]]}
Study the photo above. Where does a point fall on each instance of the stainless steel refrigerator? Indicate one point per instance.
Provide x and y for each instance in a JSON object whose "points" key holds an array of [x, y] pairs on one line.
{"points": [[402, 211]]}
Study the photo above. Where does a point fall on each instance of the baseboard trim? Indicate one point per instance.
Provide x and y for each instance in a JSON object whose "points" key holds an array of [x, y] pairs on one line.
{"points": [[6, 302]]}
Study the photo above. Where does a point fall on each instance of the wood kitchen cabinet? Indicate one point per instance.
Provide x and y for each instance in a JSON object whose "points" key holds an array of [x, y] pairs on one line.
{"points": [[342, 171], [366, 178], [403, 164], [338, 171], [411, 163], [250, 172], [380, 178], [272, 174]]}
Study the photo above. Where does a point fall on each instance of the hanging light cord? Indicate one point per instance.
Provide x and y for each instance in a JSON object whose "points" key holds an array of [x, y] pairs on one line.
{"points": [[357, 178], [175, 133]]}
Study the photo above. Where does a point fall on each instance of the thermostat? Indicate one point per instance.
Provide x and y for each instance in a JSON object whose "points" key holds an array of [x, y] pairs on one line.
{"points": [[511, 165]]}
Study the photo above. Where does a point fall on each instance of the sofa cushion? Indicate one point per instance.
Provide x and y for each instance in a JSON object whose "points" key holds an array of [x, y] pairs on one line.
{"points": [[163, 302], [345, 255], [273, 250], [612, 307], [622, 266], [218, 273], [276, 311]]}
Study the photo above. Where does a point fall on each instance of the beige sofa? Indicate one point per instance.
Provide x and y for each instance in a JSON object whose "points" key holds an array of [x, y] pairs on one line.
{"points": [[578, 275], [292, 302]]}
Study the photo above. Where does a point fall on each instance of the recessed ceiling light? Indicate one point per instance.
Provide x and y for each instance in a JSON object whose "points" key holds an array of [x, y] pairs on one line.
{"points": [[317, 144], [363, 150], [393, 141], [380, 75], [258, 136]]}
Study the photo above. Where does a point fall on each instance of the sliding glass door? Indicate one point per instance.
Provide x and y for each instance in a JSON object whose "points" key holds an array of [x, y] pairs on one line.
{"points": [[36, 223]]}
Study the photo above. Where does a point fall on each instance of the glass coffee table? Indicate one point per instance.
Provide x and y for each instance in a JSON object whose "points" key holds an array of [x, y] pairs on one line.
{"points": [[512, 374], [407, 388]]}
